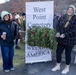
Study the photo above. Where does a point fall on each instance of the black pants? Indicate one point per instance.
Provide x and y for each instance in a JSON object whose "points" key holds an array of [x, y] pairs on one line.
{"points": [[59, 51]]}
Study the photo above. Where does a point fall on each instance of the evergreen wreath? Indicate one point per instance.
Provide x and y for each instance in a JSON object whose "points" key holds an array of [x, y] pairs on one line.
{"points": [[42, 37]]}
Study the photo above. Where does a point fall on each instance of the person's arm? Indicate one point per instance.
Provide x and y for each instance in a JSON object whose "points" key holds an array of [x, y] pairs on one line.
{"points": [[57, 26], [0, 31], [15, 28]]}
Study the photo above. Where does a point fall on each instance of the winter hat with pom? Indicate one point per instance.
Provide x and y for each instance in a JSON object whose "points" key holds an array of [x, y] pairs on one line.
{"points": [[3, 13]]}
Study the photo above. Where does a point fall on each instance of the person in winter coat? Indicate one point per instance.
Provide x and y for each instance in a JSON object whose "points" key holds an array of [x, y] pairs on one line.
{"points": [[66, 37], [18, 22], [8, 31], [55, 21]]}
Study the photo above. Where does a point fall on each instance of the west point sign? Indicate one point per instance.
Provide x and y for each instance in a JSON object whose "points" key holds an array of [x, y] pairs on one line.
{"points": [[38, 14]]}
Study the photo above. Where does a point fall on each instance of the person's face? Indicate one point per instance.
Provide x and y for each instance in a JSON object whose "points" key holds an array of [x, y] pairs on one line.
{"points": [[6, 17], [70, 11]]}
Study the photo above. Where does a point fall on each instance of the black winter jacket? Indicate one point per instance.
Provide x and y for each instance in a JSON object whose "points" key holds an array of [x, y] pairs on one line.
{"points": [[69, 31], [11, 32]]}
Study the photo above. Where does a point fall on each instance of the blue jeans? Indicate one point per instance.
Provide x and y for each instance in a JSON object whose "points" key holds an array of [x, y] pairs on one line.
{"points": [[7, 56]]}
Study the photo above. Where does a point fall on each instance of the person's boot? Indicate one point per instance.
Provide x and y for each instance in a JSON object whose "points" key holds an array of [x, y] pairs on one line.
{"points": [[66, 69], [57, 67]]}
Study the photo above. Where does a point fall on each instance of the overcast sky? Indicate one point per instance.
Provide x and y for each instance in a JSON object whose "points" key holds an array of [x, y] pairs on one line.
{"points": [[3, 1]]}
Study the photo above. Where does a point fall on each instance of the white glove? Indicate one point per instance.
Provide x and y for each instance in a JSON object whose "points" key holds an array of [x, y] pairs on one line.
{"points": [[62, 35], [57, 34]]}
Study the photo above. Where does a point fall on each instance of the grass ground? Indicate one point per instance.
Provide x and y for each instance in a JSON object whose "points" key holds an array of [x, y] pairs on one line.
{"points": [[19, 56]]}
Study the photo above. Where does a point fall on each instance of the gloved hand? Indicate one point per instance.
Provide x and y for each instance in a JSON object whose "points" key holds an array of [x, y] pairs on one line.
{"points": [[58, 34], [62, 35]]}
